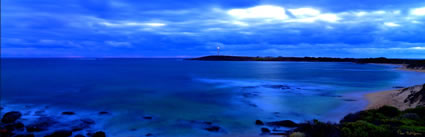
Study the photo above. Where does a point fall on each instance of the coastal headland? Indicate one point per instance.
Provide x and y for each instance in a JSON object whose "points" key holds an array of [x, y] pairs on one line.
{"points": [[406, 64]]}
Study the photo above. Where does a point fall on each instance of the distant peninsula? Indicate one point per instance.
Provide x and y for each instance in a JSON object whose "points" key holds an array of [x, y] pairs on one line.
{"points": [[411, 64]]}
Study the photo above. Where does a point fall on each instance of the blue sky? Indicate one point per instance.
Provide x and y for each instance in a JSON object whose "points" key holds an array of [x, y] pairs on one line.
{"points": [[190, 28]]}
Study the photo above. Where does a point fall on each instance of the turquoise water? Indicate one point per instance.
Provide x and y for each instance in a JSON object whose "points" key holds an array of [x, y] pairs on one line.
{"points": [[174, 92]]}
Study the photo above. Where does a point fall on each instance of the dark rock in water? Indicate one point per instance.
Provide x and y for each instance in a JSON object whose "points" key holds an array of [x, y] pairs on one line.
{"points": [[19, 125], [99, 134], [147, 117], [42, 124], [25, 135], [278, 86], [79, 135], [14, 126], [349, 100], [36, 128], [60, 133], [265, 130], [259, 122], [213, 128], [82, 124], [103, 113], [283, 123], [11, 117], [68, 113], [149, 134], [208, 123]]}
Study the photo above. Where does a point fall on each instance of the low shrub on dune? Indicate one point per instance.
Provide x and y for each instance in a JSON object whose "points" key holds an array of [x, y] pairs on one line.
{"points": [[386, 121]]}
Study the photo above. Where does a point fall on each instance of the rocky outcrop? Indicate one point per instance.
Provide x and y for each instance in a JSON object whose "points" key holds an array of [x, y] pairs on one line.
{"points": [[60, 133], [265, 131], [68, 113], [213, 128], [283, 123], [11, 117], [11, 126], [259, 122], [99, 134]]}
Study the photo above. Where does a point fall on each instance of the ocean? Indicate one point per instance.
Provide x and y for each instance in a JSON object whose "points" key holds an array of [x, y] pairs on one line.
{"points": [[177, 97]]}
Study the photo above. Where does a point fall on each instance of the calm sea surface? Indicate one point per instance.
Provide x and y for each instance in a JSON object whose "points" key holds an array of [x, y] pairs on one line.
{"points": [[177, 92]]}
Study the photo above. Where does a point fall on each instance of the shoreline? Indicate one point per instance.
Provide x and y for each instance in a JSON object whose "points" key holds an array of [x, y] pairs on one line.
{"points": [[404, 68], [405, 64], [380, 98], [401, 98], [389, 97]]}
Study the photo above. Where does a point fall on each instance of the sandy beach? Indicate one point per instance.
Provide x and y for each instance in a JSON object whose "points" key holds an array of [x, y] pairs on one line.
{"points": [[378, 99], [400, 98]]}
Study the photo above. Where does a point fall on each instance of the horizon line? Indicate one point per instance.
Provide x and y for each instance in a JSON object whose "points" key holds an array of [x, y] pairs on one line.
{"points": [[178, 57]]}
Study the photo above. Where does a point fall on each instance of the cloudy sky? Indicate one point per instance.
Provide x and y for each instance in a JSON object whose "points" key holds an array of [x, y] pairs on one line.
{"points": [[190, 28]]}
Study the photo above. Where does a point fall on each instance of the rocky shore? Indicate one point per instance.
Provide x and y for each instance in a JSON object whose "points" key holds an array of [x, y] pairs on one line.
{"points": [[12, 125]]}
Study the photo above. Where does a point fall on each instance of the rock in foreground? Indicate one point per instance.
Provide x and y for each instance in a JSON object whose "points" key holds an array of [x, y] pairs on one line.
{"points": [[283, 123], [11, 117]]}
